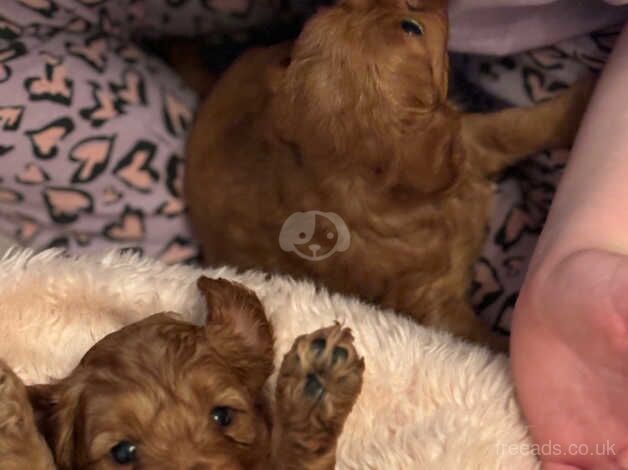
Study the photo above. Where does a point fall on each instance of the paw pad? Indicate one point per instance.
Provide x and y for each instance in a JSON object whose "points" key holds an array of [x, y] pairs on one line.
{"points": [[313, 386], [318, 346], [339, 355]]}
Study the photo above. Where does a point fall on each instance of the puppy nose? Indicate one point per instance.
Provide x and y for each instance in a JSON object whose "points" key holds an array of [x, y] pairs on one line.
{"points": [[314, 247]]}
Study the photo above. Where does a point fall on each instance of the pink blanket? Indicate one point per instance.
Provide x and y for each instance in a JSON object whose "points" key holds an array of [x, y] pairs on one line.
{"points": [[511, 26]]}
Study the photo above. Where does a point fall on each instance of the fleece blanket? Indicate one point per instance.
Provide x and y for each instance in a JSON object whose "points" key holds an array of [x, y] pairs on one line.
{"points": [[429, 401], [525, 191]]}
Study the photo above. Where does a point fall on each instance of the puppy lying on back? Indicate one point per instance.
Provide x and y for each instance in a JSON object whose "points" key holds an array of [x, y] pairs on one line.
{"points": [[352, 121], [165, 394]]}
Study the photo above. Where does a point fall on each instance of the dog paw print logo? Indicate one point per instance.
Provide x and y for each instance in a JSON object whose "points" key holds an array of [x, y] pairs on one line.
{"points": [[314, 235]]}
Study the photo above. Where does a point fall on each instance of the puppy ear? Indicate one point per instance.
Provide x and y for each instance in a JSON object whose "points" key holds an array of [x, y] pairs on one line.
{"points": [[237, 308], [21, 443], [56, 408]]}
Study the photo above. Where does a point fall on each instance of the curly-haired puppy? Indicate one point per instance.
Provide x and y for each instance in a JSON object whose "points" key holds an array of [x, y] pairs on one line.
{"points": [[352, 120], [165, 394]]}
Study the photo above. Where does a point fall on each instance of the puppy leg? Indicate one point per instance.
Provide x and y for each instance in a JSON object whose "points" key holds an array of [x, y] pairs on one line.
{"points": [[461, 321], [319, 381], [21, 445], [465, 324], [494, 141], [434, 305]]}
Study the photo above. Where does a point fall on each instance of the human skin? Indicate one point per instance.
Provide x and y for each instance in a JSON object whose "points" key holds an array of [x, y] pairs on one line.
{"points": [[570, 327]]}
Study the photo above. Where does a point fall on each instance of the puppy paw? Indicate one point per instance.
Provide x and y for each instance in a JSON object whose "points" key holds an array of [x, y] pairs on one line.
{"points": [[319, 381]]}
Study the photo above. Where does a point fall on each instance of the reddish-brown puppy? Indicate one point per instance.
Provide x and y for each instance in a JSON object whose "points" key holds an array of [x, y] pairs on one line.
{"points": [[353, 119], [165, 394]]}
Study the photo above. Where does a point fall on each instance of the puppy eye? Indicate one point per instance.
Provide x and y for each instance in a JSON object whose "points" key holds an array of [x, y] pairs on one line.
{"points": [[123, 453], [222, 415], [412, 27]]}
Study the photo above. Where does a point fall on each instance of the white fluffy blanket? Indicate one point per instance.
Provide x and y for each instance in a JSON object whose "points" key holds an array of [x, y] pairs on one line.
{"points": [[429, 402]]}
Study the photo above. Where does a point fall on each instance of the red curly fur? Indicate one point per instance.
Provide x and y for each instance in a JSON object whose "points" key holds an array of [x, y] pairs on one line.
{"points": [[157, 384], [353, 119]]}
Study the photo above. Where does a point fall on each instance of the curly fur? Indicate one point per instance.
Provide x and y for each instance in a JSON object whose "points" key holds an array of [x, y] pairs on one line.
{"points": [[428, 400], [353, 119]]}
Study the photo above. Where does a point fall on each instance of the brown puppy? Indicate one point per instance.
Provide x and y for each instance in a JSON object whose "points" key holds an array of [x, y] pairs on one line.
{"points": [[353, 119], [165, 394]]}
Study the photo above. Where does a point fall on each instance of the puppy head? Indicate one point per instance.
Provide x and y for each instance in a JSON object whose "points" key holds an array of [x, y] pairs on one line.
{"points": [[368, 55], [163, 394], [405, 41], [363, 81]]}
